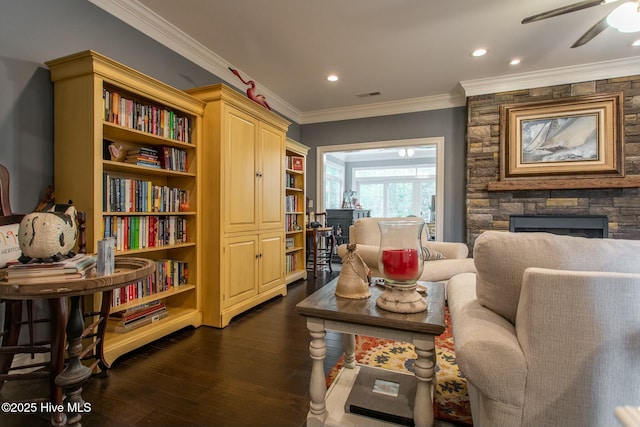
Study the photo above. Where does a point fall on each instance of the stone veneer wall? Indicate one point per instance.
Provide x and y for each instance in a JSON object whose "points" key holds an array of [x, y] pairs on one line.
{"points": [[490, 210]]}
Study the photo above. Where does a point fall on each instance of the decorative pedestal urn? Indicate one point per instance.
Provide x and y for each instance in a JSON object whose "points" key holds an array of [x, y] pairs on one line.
{"points": [[401, 260]]}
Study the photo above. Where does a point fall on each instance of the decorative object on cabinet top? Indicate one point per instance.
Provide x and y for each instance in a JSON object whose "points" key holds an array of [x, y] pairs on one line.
{"points": [[251, 92]]}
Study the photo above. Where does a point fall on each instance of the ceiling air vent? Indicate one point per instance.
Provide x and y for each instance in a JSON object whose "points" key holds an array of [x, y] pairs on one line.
{"points": [[367, 94]]}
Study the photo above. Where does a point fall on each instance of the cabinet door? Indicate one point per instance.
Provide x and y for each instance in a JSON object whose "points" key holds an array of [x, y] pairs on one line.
{"points": [[271, 260], [271, 185], [240, 275], [239, 174]]}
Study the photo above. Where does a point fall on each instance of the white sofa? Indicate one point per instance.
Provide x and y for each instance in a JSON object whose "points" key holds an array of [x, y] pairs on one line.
{"points": [[547, 332], [365, 233]]}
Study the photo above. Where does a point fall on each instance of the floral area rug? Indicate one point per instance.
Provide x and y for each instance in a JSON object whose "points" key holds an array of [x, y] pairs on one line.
{"points": [[451, 401]]}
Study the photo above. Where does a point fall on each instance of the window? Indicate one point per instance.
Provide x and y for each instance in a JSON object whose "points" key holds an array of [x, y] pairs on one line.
{"points": [[333, 185], [397, 191]]}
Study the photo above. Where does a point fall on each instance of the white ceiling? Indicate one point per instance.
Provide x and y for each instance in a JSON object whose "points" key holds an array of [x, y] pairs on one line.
{"points": [[416, 53]]}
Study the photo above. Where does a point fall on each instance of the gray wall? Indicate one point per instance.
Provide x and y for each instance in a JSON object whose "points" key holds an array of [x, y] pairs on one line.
{"points": [[448, 123], [35, 31]]}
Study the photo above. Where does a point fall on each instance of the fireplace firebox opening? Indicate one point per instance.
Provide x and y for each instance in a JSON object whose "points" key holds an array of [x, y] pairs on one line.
{"points": [[594, 226]]}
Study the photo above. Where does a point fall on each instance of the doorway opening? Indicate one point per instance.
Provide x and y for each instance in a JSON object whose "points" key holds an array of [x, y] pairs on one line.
{"points": [[390, 178]]}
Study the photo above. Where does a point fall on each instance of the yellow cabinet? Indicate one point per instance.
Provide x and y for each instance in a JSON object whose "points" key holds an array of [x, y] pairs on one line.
{"points": [[252, 153], [270, 261], [243, 147], [240, 274], [252, 265]]}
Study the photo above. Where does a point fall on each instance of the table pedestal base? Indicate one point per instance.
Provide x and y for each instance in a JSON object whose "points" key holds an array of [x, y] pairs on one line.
{"points": [[75, 373]]}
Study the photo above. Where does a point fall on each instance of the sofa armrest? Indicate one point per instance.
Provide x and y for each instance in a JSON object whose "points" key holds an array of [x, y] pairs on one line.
{"points": [[579, 331], [486, 346], [451, 250]]}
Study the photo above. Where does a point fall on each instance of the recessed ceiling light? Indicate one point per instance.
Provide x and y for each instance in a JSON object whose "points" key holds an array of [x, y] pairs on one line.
{"points": [[332, 78], [636, 43], [514, 61], [479, 52]]}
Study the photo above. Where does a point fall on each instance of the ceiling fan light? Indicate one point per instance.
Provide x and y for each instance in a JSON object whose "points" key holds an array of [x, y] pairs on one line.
{"points": [[625, 18]]}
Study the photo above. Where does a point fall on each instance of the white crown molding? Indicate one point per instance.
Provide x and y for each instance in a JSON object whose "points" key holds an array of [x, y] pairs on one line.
{"points": [[148, 22], [412, 105], [138, 16], [554, 76]]}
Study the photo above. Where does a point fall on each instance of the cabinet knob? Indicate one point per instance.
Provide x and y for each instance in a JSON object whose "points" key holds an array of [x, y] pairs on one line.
{"points": [[259, 174]]}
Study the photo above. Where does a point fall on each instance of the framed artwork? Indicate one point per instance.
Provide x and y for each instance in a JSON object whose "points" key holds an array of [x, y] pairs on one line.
{"points": [[581, 136]]}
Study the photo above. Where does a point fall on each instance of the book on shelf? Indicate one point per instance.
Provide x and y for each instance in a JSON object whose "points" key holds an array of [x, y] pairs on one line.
{"points": [[295, 163], [143, 156], [48, 278], [153, 119], [75, 267], [139, 232], [135, 313], [138, 195], [122, 326]]}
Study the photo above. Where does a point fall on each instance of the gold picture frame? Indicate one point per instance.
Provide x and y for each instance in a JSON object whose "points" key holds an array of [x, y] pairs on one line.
{"points": [[580, 137]]}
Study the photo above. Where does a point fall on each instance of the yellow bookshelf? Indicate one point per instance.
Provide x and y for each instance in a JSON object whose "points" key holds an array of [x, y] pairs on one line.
{"points": [[89, 115]]}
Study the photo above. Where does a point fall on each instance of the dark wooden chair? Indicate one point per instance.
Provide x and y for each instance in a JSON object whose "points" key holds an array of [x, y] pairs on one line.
{"points": [[320, 245], [13, 323]]}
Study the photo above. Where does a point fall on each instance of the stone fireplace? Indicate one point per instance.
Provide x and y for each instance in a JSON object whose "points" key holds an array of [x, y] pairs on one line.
{"points": [[594, 226], [491, 210]]}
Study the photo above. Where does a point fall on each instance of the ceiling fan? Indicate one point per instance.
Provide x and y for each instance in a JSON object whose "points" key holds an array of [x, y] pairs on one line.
{"points": [[624, 18]]}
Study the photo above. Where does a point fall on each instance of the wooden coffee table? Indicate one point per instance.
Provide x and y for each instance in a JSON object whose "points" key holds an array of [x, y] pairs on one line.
{"points": [[326, 311]]}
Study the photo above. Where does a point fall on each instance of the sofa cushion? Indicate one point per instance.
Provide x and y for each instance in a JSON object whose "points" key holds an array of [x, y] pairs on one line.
{"points": [[501, 257]]}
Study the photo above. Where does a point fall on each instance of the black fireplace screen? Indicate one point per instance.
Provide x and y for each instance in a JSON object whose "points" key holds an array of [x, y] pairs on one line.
{"points": [[573, 225]]}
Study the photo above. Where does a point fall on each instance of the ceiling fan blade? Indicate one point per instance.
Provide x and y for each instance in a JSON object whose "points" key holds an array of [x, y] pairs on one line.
{"points": [[562, 10], [600, 26]]}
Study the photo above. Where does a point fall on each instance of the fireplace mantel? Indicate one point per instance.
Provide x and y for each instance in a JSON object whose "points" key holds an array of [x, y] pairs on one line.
{"points": [[563, 184]]}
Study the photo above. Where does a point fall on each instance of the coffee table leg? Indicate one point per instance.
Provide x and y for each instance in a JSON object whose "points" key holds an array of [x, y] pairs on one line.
{"points": [[349, 348], [318, 384], [425, 382]]}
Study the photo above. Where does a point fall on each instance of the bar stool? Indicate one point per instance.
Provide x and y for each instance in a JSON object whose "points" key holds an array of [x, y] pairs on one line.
{"points": [[320, 245]]}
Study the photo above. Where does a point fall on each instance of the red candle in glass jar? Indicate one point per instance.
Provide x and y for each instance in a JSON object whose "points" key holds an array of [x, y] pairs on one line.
{"points": [[400, 264]]}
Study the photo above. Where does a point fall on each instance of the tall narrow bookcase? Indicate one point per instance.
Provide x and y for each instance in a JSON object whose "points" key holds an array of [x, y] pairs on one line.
{"points": [[149, 201], [295, 215]]}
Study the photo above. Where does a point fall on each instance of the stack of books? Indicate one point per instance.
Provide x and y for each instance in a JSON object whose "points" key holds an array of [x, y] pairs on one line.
{"points": [[135, 317], [144, 156], [76, 267]]}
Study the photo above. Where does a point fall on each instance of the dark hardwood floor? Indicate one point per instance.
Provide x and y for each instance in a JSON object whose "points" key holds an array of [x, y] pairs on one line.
{"points": [[255, 372]]}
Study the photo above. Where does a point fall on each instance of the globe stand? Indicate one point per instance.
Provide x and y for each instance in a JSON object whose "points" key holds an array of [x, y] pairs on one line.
{"points": [[401, 298]]}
